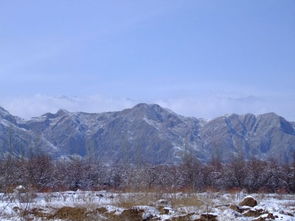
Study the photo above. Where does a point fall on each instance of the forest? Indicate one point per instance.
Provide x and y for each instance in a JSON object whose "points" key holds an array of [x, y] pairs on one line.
{"points": [[44, 174]]}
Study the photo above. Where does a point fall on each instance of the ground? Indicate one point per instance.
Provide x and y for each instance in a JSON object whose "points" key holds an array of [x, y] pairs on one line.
{"points": [[107, 205]]}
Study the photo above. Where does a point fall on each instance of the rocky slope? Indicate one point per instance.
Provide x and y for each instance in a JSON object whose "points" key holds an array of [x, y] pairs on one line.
{"points": [[148, 134]]}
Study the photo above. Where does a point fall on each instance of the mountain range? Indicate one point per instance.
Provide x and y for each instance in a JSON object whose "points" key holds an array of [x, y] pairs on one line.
{"points": [[147, 133]]}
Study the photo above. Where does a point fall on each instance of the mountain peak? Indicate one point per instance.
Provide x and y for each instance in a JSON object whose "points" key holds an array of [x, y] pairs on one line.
{"points": [[147, 106], [3, 111], [62, 112], [270, 115], [6, 115]]}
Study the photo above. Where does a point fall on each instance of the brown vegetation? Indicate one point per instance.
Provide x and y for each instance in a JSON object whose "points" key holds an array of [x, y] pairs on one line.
{"points": [[43, 174]]}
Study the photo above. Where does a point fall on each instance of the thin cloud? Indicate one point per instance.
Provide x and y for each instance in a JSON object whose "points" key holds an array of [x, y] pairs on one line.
{"points": [[27, 107], [212, 106], [206, 106]]}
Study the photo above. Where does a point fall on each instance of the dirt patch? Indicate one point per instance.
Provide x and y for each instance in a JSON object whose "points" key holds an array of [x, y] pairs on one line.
{"points": [[235, 208], [70, 213], [131, 214], [254, 213], [163, 210], [182, 218], [101, 210], [268, 216], [37, 212], [208, 217]]}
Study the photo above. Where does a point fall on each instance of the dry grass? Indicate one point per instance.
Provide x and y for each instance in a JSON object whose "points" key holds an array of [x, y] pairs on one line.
{"points": [[70, 213], [186, 201], [131, 200]]}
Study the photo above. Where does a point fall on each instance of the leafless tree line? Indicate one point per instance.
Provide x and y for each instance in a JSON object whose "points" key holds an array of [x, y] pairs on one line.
{"points": [[42, 173]]}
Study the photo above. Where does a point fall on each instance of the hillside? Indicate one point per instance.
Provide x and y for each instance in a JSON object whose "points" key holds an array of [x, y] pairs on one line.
{"points": [[148, 133]]}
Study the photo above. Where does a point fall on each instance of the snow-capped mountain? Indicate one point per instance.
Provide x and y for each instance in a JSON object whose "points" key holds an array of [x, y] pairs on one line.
{"points": [[19, 140], [148, 133]]}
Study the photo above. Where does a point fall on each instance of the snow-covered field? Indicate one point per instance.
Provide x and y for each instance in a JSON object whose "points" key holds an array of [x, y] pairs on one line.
{"points": [[103, 205]]}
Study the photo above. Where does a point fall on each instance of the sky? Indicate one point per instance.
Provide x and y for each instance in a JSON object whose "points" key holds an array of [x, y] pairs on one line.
{"points": [[202, 58]]}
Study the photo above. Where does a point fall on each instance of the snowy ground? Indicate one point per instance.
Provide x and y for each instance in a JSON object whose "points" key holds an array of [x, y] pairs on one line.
{"points": [[102, 205]]}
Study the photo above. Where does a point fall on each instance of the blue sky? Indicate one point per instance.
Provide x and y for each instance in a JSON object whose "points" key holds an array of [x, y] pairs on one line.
{"points": [[201, 58]]}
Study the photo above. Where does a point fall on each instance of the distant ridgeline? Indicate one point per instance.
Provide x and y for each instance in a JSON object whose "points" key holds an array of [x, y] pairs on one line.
{"points": [[148, 133]]}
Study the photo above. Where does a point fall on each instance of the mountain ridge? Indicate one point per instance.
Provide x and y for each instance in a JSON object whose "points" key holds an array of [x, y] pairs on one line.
{"points": [[148, 133]]}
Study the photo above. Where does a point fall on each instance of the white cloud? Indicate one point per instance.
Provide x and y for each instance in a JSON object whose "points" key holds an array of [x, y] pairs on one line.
{"points": [[205, 106], [27, 107], [212, 106]]}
